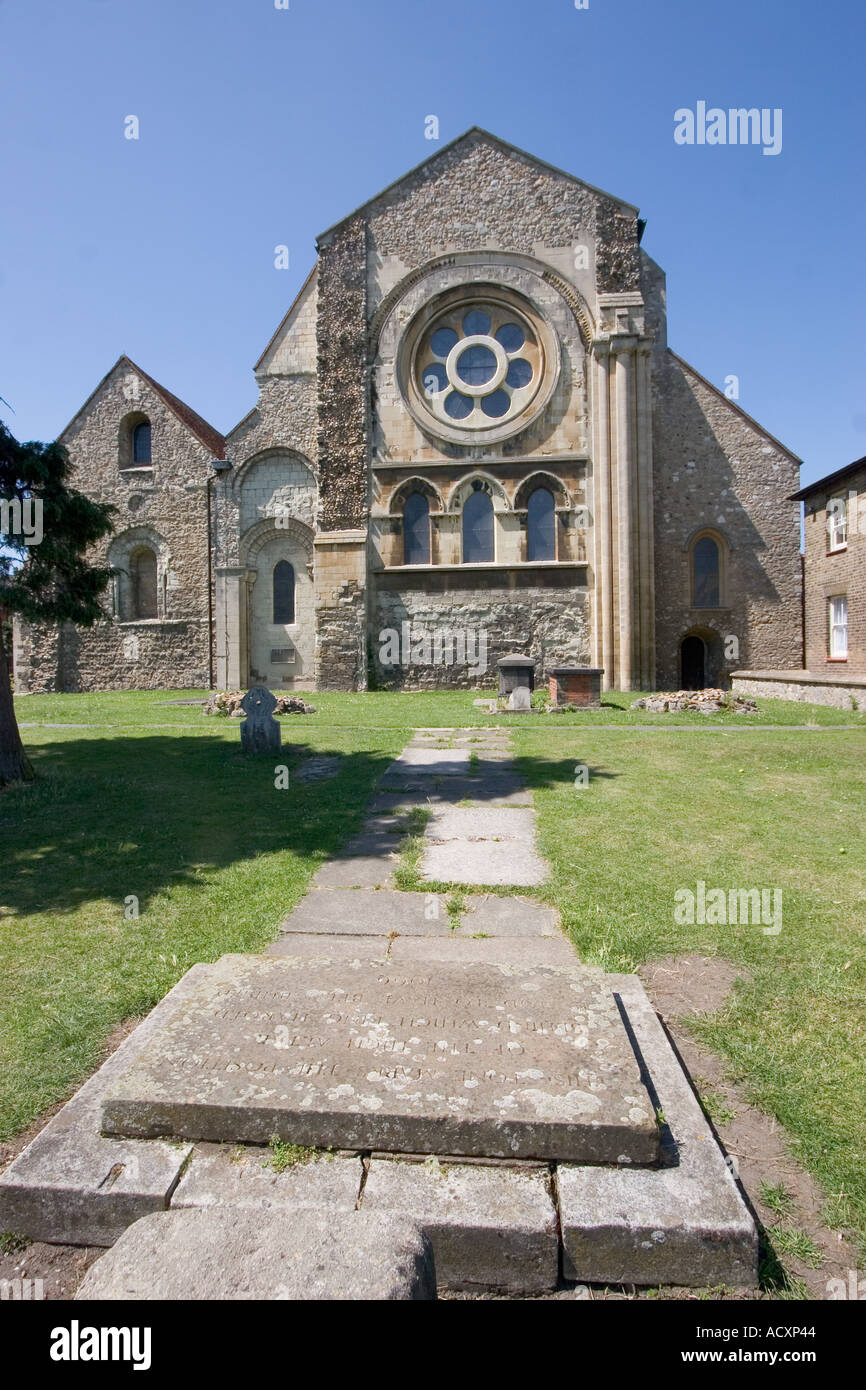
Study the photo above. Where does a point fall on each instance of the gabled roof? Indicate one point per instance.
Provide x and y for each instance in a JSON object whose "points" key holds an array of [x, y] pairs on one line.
{"points": [[476, 134], [750, 419], [205, 433], [822, 484], [286, 319]]}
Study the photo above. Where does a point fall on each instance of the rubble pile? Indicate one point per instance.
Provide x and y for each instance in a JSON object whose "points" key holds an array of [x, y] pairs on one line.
{"points": [[228, 704], [704, 701]]}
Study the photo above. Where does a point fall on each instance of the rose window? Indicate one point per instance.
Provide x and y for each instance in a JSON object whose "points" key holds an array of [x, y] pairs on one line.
{"points": [[478, 365]]}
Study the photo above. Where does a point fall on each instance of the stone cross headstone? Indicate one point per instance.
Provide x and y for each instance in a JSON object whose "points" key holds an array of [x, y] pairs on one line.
{"points": [[260, 732]]}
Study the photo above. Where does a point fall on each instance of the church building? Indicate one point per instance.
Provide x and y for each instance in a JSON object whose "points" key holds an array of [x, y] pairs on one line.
{"points": [[470, 432]]}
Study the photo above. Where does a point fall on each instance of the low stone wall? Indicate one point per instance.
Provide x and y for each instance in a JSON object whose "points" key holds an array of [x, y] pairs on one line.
{"points": [[847, 692], [167, 655]]}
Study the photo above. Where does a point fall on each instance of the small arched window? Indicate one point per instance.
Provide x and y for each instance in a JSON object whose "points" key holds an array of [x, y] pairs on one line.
{"points": [[141, 443], [416, 530], [142, 566], [706, 574], [541, 526], [478, 543], [284, 593]]}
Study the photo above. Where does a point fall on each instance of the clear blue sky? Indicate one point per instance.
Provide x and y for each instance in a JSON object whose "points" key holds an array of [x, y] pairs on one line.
{"points": [[261, 126]]}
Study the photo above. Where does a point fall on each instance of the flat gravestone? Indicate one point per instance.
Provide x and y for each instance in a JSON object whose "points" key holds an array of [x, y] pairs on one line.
{"points": [[260, 732], [484, 1060], [318, 769]]}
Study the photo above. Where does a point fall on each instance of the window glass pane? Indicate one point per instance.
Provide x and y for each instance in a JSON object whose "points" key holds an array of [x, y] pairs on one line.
{"points": [[476, 322], [443, 341], [476, 365], [144, 596], [478, 529], [434, 379], [541, 525], [496, 405], [839, 627], [458, 406], [141, 443], [705, 559], [416, 530], [284, 593], [511, 337], [519, 373]]}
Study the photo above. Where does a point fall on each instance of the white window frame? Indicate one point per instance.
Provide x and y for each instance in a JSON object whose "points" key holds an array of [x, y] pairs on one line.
{"points": [[837, 613], [837, 523]]}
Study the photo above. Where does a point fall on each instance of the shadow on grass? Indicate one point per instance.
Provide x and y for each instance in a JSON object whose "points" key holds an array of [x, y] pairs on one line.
{"points": [[106, 818]]}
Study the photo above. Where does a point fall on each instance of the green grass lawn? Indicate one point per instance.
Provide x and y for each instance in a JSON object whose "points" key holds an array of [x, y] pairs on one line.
{"points": [[137, 796]]}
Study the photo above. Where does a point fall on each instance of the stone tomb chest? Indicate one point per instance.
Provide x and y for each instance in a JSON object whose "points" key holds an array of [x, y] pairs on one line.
{"points": [[516, 670]]}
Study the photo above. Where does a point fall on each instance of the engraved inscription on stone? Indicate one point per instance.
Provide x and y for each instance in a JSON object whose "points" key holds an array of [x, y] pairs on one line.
{"points": [[488, 1060]]}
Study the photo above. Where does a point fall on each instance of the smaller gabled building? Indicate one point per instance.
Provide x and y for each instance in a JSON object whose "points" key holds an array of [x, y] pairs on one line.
{"points": [[834, 625], [834, 597]]}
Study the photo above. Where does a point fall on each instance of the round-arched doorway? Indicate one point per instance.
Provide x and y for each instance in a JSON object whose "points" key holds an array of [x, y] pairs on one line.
{"points": [[693, 663]]}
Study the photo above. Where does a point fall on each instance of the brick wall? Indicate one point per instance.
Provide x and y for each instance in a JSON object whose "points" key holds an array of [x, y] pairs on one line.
{"points": [[831, 573]]}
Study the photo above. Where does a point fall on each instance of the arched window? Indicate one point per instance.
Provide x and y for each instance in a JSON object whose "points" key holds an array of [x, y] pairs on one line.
{"points": [[541, 526], [141, 443], [416, 530], [142, 568], [706, 574], [284, 592], [478, 546]]}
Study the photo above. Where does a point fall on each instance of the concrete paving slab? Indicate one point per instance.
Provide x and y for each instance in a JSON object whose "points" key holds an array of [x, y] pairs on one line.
{"points": [[513, 917], [365, 861], [498, 950], [331, 945], [430, 762], [72, 1186], [494, 1060], [683, 1224], [480, 823], [493, 1228], [371, 912], [232, 1253], [220, 1174], [502, 863]]}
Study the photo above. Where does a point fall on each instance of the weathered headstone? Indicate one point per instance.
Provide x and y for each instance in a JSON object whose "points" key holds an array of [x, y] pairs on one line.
{"points": [[520, 701], [260, 732]]}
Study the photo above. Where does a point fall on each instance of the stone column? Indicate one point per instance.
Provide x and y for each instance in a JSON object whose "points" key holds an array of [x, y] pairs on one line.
{"points": [[646, 520], [626, 500], [603, 637], [231, 622]]}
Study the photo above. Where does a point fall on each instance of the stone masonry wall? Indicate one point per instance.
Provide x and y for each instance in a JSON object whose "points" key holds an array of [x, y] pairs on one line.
{"points": [[713, 468], [169, 500], [342, 376], [547, 620]]}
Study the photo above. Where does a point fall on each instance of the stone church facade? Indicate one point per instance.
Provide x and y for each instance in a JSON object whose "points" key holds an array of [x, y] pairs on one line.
{"points": [[470, 432]]}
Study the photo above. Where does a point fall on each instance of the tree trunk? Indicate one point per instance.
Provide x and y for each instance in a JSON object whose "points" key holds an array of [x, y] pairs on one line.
{"points": [[15, 765]]}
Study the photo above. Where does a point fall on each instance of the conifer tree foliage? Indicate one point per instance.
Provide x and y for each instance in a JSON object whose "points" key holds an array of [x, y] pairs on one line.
{"points": [[50, 579]]}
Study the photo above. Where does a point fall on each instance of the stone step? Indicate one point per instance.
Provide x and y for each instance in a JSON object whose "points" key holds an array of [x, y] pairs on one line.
{"points": [[476, 1059], [684, 1223], [233, 1253], [490, 1227]]}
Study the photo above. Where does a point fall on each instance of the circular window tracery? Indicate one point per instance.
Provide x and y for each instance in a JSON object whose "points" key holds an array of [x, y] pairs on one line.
{"points": [[478, 365]]}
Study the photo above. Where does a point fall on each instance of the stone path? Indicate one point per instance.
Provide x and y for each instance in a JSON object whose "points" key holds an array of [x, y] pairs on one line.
{"points": [[480, 832], [481, 1098]]}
